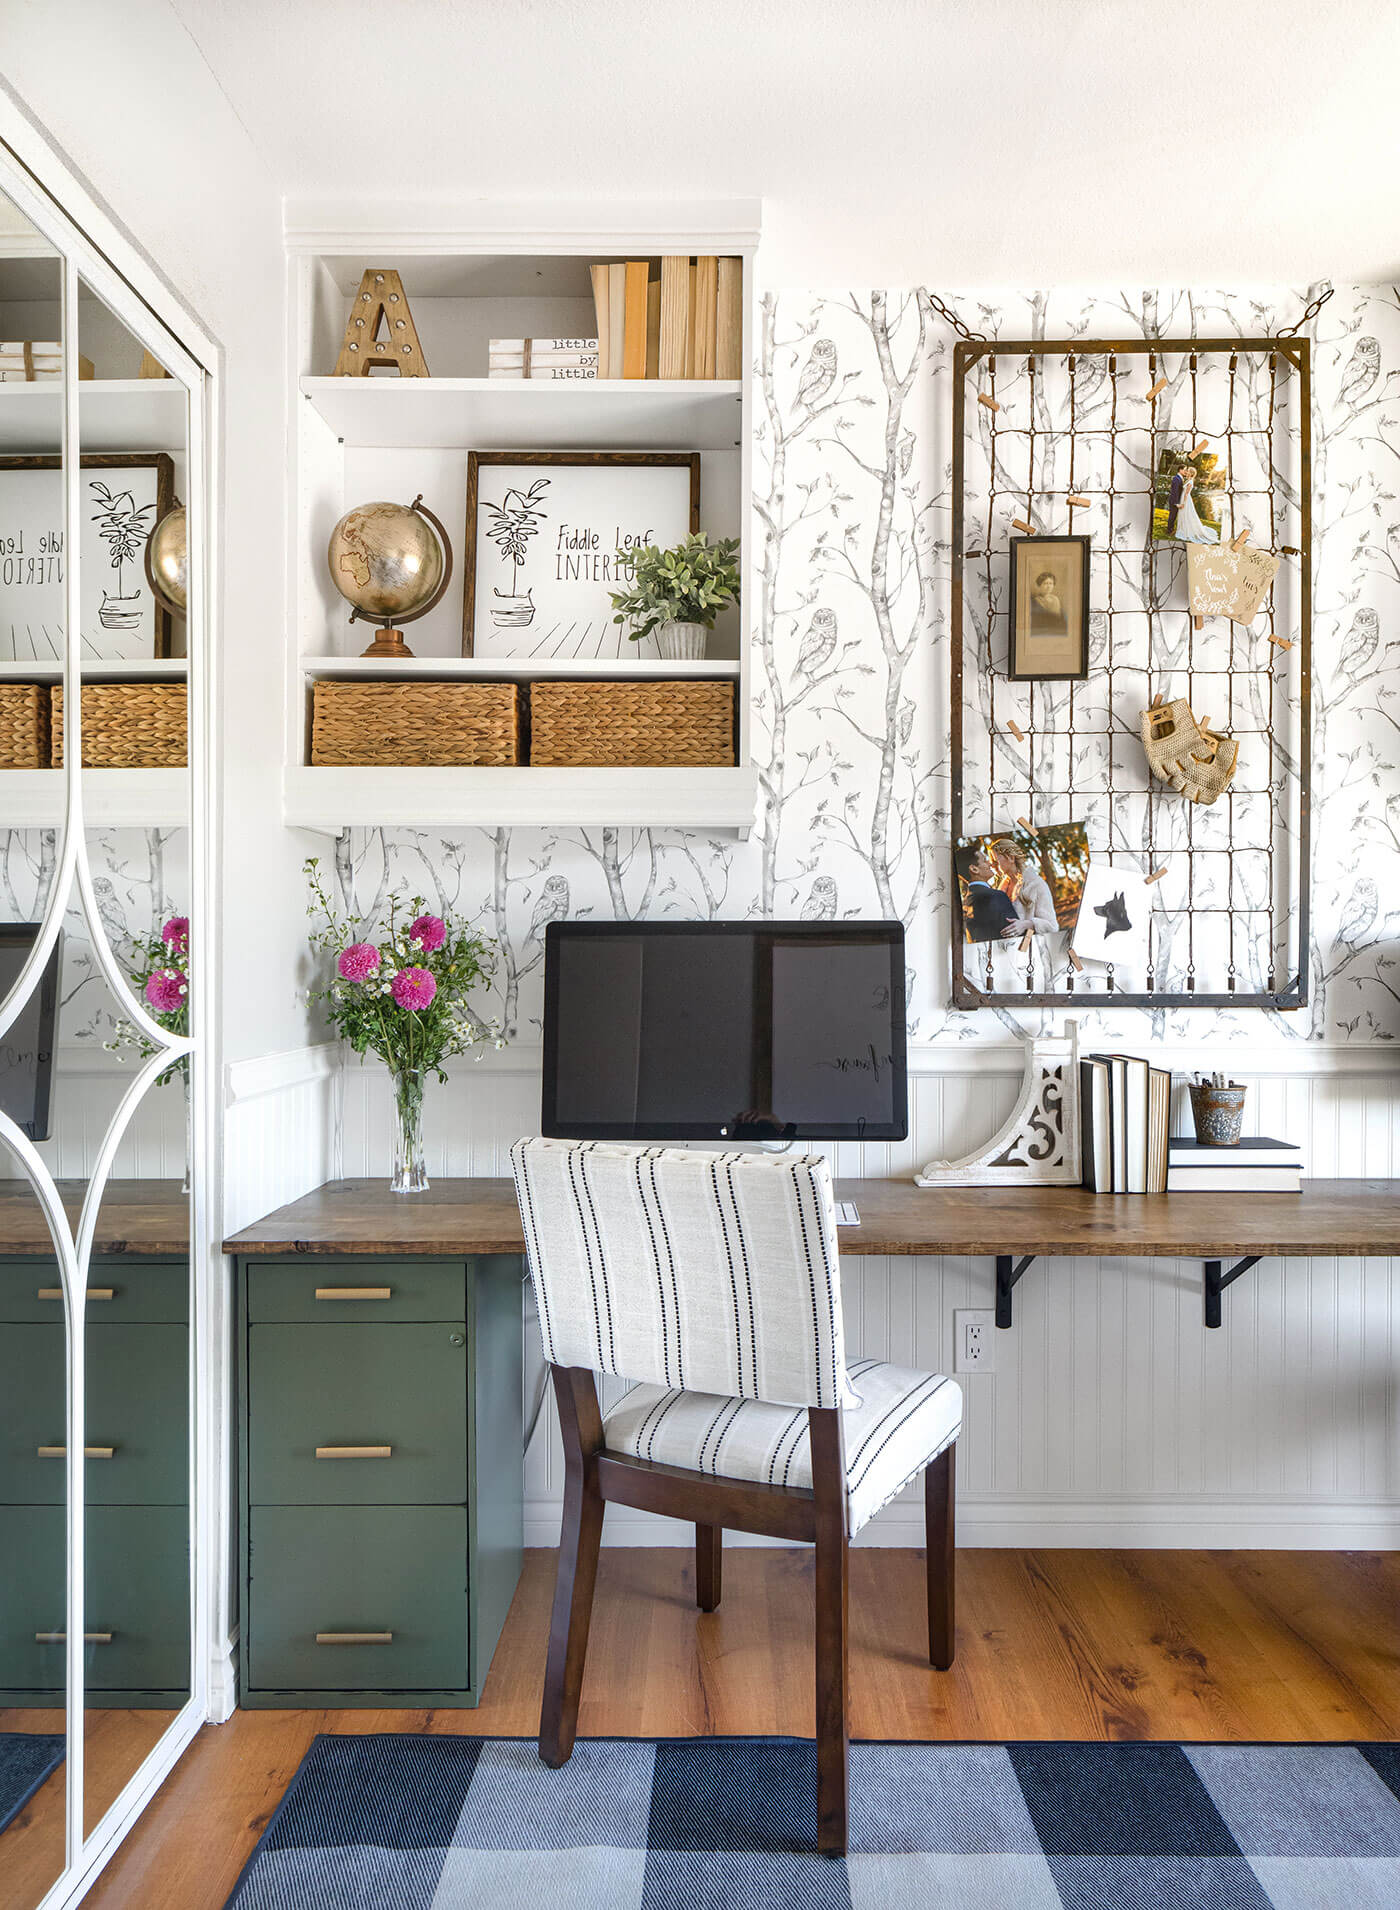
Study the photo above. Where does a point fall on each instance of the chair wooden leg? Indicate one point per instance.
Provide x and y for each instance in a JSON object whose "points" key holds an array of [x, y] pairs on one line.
{"points": [[580, 1534], [709, 1565], [833, 1598], [939, 1498]]}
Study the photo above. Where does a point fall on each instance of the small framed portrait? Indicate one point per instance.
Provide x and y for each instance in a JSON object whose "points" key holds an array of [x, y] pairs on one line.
{"points": [[1049, 608]]}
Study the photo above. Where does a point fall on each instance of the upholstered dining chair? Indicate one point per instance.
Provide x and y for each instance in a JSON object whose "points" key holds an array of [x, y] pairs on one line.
{"points": [[712, 1281]]}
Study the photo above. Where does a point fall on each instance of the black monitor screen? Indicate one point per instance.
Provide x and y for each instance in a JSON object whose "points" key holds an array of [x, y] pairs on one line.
{"points": [[724, 1031], [26, 1047]]}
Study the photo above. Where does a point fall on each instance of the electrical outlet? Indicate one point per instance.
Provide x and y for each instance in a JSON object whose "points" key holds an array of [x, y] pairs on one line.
{"points": [[974, 1340]]}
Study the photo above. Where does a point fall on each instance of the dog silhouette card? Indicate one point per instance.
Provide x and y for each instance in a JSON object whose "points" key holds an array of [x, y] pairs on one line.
{"points": [[1113, 917]]}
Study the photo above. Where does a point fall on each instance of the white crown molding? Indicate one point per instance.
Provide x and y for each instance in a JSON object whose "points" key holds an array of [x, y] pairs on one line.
{"points": [[413, 228]]}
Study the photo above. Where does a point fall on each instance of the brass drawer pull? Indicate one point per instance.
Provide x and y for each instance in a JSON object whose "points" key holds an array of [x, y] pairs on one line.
{"points": [[93, 1293], [354, 1638], [354, 1293], [354, 1452], [61, 1638], [89, 1452]]}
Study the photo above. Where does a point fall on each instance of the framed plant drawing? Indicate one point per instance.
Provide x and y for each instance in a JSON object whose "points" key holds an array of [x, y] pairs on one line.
{"points": [[542, 532], [1049, 608], [124, 497]]}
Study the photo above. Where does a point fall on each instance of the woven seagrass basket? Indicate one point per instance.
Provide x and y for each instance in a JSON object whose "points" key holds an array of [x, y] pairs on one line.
{"points": [[129, 726], [24, 726], [422, 724], [678, 725]]}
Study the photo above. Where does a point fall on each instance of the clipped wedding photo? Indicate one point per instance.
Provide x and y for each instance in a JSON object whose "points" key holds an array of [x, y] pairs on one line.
{"points": [[1021, 881], [1186, 496]]}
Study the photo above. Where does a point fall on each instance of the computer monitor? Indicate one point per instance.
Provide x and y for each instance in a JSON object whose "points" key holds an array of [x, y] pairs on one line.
{"points": [[724, 1031], [26, 1047]]}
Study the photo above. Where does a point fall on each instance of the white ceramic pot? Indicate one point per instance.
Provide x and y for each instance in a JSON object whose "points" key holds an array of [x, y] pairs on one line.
{"points": [[681, 641]]}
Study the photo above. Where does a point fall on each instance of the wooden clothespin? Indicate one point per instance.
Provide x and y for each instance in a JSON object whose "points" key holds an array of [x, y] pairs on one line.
{"points": [[1284, 643], [1156, 875], [1160, 385], [1078, 965], [1239, 542], [1196, 449], [1015, 729], [1155, 701], [1025, 941], [1198, 623], [983, 398], [1024, 822], [1026, 530], [1076, 497]]}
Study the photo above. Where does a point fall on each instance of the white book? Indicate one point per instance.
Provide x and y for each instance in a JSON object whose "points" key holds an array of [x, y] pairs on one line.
{"points": [[1244, 1180], [585, 359], [585, 374], [541, 345]]}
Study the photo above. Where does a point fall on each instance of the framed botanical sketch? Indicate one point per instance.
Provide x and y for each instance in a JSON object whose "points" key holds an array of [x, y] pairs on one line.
{"points": [[1049, 608], [542, 532], [123, 498]]}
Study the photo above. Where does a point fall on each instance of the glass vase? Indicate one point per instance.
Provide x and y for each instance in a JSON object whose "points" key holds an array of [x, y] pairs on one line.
{"points": [[410, 1168]]}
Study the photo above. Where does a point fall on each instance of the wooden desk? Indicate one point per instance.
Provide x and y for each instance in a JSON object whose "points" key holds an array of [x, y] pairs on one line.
{"points": [[149, 1217], [1014, 1225]]}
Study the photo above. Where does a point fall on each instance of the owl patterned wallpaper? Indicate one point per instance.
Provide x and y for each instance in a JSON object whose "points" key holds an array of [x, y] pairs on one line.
{"points": [[850, 529]]}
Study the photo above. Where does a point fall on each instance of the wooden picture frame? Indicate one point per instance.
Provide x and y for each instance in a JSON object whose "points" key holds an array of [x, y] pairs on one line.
{"points": [[601, 551], [164, 467], [1048, 641]]}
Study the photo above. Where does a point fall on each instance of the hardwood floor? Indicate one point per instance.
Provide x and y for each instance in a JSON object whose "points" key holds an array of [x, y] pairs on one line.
{"points": [[1214, 1646]]}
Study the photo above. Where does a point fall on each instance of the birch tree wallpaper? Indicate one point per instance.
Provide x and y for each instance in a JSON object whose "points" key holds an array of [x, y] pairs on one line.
{"points": [[850, 527]]}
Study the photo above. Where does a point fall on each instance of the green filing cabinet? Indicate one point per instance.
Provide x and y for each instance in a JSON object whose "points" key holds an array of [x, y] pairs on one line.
{"points": [[380, 1476], [137, 1490]]}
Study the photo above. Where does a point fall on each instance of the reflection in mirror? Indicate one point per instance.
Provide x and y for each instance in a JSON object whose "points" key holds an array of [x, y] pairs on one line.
{"points": [[33, 1539], [31, 571]]}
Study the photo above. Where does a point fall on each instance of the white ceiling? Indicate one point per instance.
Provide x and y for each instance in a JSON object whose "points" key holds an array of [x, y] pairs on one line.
{"points": [[953, 142]]}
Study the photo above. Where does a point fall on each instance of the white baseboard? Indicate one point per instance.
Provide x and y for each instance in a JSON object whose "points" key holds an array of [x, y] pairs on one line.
{"points": [[223, 1680], [1164, 1524]]}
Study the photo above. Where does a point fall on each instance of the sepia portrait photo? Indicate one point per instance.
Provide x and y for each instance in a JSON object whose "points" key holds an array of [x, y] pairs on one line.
{"points": [[1049, 607]]}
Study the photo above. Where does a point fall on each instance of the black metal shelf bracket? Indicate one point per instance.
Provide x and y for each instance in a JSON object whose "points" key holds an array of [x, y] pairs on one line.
{"points": [[1217, 1280], [1009, 1271]]}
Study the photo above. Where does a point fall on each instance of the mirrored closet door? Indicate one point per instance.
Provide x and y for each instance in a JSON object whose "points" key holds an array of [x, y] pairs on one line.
{"points": [[103, 940]]}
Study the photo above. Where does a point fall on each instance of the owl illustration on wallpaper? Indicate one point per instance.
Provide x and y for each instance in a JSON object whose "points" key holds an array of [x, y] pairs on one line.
{"points": [[1358, 646], [821, 902], [1363, 369], [818, 644], [553, 906], [818, 374]]}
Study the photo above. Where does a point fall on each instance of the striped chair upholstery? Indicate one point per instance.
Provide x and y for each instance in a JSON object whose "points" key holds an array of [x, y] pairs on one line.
{"points": [[713, 1280]]}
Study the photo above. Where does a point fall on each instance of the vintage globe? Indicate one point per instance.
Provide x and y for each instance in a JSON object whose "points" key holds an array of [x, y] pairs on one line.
{"points": [[168, 557], [385, 559]]}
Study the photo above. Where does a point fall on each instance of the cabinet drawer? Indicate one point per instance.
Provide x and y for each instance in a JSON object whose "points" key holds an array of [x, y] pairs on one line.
{"points": [[393, 1578], [137, 1388], [137, 1591], [120, 1292], [329, 1288], [334, 1390]]}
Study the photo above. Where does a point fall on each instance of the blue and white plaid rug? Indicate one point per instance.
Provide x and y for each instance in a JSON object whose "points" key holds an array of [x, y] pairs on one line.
{"points": [[456, 1823]]}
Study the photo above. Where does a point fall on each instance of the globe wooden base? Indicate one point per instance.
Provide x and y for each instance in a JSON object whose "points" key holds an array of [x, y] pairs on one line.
{"points": [[389, 643]]}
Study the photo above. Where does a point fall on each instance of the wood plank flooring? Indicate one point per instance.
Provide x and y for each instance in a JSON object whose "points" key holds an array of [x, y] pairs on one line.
{"points": [[1222, 1646]]}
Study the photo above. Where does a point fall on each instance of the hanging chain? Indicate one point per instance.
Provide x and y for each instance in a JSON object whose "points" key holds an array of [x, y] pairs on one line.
{"points": [[1292, 331], [950, 317]]}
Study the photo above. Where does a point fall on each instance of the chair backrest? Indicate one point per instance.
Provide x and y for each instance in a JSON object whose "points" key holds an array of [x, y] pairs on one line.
{"points": [[718, 1273]]}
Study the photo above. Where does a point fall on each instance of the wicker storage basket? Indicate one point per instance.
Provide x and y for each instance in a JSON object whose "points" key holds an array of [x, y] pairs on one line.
{"points": [[683, 725], [422, 724], [129, 726], [24, 726]]}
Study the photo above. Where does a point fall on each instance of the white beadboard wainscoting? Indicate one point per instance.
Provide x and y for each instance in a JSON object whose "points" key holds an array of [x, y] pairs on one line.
{"points": [[1113, 1417], [88, 1083]]}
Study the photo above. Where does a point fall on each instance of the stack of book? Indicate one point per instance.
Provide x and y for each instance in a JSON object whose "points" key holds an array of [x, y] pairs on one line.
{"points": [[1125, 1107], [26, 361], [562, 359], [1254, 1165], [688, 323]]}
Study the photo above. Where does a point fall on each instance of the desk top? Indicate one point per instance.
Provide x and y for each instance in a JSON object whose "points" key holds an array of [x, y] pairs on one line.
{"points": [[1343, 1217], [137, 1217]]}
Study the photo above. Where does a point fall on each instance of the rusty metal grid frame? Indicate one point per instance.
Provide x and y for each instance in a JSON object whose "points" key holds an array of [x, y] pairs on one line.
{"points": [[1084, 989]]}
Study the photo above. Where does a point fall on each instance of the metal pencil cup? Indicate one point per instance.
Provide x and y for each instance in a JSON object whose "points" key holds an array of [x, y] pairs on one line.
{"points": [[1218, 1114]]}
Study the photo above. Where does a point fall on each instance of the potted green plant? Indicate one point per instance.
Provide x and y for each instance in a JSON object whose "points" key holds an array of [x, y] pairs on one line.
{"points": [[678, 593]]}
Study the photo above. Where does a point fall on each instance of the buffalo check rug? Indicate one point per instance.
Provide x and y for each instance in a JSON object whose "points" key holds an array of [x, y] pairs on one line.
{"points": [[458, 1823]]}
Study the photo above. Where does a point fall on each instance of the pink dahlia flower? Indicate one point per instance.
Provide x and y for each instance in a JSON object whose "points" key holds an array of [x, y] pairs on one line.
{"points": [[413, 988], [358, 961], [429, 932], [176, 933], [165, 991]]}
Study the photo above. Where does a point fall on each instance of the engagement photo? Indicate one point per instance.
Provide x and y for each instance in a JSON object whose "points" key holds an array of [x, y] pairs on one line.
{"points": [[1186, 498], [1021, 882]]}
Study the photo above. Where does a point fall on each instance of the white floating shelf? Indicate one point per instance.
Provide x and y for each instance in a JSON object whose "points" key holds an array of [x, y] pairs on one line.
{"points": [[148, 669], [114, 414], [331, 800], [112, 798], [614, 414], [521, 669]]}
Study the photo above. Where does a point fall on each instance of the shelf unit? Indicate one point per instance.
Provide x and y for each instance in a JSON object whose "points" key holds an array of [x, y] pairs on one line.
{"points": [[362, 438], [112, 798], [114, 414]]}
